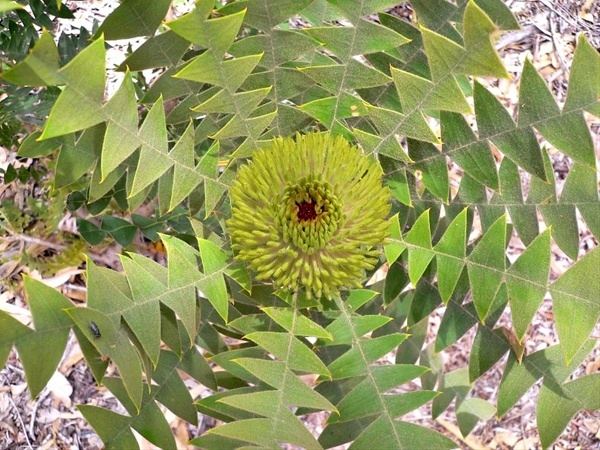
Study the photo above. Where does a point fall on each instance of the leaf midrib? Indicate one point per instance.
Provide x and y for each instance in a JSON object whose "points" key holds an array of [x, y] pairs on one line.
{"points": [[357, 344], [505, 273]]}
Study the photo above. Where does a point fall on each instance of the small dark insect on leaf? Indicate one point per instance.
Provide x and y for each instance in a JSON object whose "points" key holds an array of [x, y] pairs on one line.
{"points": [[95, 330]]}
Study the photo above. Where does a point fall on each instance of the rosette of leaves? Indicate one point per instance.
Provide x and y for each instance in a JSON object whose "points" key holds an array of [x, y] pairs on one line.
{"points": [[310, 213]]}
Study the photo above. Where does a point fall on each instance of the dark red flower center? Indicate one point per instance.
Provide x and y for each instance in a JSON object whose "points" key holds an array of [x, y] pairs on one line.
{"points": [[306, 211]]}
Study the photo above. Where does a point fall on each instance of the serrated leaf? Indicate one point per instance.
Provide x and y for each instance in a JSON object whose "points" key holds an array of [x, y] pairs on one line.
{"points": [[143, 316], [395, 246], [405, 436], [75, 159], [577, 300], [183, 272], [557, 405], [417, 92], [121, 231], [519, 377], [418, 240], [290, 349], [213, 285], [206, 69], [162, 50], [39, 68], [495, 123], [49, 338], [362, 400], [452, 244], [568, 132], [113, 343], [583, 90], [154, 159], [355, 361], [90, 232], [134, 18], [105, 422], [471, 411], [462, 145], [525, 297], [216, 34], [297, 324], [486, 267], [172, 392], [120, 139], [79, 105]]}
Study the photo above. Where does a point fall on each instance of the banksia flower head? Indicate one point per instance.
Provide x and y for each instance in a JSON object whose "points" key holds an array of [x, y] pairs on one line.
{"points": [[309, 213]]}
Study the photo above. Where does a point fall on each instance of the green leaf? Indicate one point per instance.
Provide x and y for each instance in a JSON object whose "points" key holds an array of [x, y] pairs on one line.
{"points": [[164, 49], [361, 401], [558, 404], [355, 361], [454, 384], [40, 67], [274, 404], [568, 132], [450, 259], [143, 315], [334, 77], [583, 91], [213, 285], [134, 18], [9, 5], [419, 93], [185, 178], [115, 344], [547, 363], [215, 34], [404, 436], [120, 139], [297, 324], [342, 332], [75, 159], [463, 146], [290, 349], [154, 159], [418, 240], [488, 347], [525, 297], [105, 422], [523, 215], [471, 411], [173, 393], [90, 232], [457, 319], [576, 300], [495, 123], [434, 170], [79, 105], [183, 272], [49, 338], [266, 14], [486, 267], [32, 148], [150, 421], [480, 58], [395, 246], [121, 231], [206, 69]]}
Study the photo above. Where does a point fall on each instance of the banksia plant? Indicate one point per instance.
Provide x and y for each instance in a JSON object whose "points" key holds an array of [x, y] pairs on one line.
{"points": [[310, 214]]}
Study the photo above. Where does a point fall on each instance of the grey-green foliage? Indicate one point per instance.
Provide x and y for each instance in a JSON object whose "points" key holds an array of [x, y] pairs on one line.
{"points": [[232, 78]]}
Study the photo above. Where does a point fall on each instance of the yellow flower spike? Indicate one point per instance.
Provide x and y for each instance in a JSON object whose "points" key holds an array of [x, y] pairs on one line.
{"points": [[309, 213]]}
